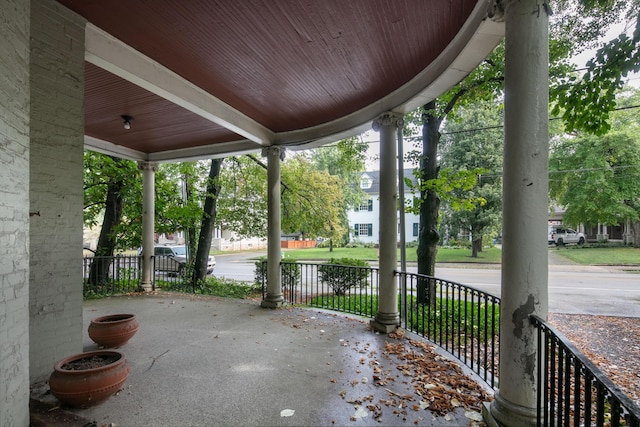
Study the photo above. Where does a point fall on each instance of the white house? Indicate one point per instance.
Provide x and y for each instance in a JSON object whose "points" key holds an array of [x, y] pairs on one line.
{"points": [[363, 221]]}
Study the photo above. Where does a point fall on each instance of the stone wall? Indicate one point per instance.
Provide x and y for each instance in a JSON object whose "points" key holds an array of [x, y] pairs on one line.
{"points": [[14, 213], [56, 194]]}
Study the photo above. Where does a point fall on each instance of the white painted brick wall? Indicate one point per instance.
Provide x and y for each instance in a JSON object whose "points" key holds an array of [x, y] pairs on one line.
{"points": [[56, 76], [14, 213]]}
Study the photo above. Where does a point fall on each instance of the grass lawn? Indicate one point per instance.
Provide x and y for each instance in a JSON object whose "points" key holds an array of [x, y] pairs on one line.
{"points": [[586, 255], [488, 255]]}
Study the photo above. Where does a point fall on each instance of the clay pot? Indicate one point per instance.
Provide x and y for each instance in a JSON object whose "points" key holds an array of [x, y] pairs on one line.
{"points": [[114, 330], [87, 379]]}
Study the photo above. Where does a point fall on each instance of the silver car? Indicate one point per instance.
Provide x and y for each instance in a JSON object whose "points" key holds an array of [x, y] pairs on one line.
{"points": [[174, 259]]}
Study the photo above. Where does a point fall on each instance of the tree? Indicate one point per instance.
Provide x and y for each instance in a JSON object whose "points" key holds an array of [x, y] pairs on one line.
{"points": [[344, 160], [597, 178], [585, 103], [104, 194], [207, 222], [481, 153], [312, 200], [242, 202], [568, 36]]}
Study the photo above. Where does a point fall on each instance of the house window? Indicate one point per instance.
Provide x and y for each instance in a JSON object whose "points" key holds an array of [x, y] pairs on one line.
{"points": [[366, 182], [363, 229], [368, 206], [415, 228]]}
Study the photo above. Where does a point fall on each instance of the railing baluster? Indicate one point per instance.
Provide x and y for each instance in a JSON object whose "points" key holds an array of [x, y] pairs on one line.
{"points": [[580, 379]]}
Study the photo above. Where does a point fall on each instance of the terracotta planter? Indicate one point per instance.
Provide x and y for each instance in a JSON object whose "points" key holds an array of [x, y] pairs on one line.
{"points": [[83, 386], [114, 330]]}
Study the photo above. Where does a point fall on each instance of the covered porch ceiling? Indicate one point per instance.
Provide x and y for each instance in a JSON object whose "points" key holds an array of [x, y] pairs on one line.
{"points": [[205, 78]]}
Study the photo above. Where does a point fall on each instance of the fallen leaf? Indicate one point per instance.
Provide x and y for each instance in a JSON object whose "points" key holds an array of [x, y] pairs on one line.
{"points": [[472, 415]]}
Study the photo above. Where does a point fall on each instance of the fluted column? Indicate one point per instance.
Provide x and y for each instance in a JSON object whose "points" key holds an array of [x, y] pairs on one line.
{"points": [[525, 208], [274, 155], [387, 318], [148, 221]]}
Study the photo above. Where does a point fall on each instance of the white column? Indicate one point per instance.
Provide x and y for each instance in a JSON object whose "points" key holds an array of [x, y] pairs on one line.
{"points": [[273, 299], [525, 200], [387, 318], [148, 221]]}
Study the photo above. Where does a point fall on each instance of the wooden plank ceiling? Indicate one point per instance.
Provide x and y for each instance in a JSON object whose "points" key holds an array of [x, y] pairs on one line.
{"points": [[256, 73]]}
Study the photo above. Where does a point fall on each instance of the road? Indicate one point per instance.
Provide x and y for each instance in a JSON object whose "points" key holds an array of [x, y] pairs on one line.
{"points": [[573, 289]]}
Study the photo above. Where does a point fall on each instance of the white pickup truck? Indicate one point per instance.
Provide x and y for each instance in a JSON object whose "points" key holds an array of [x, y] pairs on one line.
{"points": [[565, 236]]}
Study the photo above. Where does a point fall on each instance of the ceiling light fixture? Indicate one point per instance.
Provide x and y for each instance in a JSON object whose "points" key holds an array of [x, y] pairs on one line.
{"points": [[127, 121]]}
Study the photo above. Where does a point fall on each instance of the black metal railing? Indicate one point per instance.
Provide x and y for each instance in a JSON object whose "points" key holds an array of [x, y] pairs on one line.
{"points": [[332, 287], [121, 274], [572, 391], [462, 320], [110, 275]]}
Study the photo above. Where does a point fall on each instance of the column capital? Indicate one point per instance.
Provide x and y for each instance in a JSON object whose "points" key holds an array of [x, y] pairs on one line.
{"points": [[388, 119], [274, 150], [144, 165]]}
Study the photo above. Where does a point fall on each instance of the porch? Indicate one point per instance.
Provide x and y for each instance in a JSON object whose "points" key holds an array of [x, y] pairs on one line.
{"points": [[200, 360]]}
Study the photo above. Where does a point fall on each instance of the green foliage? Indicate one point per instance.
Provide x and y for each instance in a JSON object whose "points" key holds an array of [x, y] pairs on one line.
{"points": [[450, 187], [289, 271], [345, 161], [312, 201], [454, 321], [586, 103], [597, 179], [342, 274], [480, 151], [361, 304], [216, 286], [242, 202]]}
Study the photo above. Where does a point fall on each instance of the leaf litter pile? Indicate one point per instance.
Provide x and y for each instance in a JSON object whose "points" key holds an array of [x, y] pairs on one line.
{"points": [[394, 379], [611, 343], [438, 384]]}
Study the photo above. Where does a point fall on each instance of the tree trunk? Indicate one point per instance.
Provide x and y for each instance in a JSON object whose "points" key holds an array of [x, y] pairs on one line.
{"points": [[208, 220], [476, 246], [635, 226], [99, 272], [428, 236]]}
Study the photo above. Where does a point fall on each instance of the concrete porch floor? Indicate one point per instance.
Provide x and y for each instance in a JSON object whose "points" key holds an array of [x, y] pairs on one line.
{"points": [[212, 361]]}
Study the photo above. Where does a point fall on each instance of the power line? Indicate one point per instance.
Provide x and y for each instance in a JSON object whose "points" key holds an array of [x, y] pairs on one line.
{"points": [[502, 126], [498, 174]]}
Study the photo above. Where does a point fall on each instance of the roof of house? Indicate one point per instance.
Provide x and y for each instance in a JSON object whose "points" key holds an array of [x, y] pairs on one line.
{"points": [[375, 181]]}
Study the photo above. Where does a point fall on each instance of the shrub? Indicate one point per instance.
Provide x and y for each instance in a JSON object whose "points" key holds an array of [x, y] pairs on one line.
{"points": [[342, 274], [289, 270]]}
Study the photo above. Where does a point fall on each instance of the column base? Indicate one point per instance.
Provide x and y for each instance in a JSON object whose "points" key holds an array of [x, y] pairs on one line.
{"points": [[385, 322], [272, 301], [501, 412], [146, 286]]}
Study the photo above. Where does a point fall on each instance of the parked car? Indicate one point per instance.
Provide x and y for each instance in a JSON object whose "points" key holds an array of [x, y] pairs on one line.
{"points": [[565, 236], [173, 259]]}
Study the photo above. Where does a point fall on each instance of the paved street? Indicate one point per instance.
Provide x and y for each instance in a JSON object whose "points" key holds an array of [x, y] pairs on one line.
{"points": [[573, 289]]}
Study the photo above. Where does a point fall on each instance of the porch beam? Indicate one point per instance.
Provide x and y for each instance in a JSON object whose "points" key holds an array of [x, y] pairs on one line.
{"points": [[111, 54]]}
